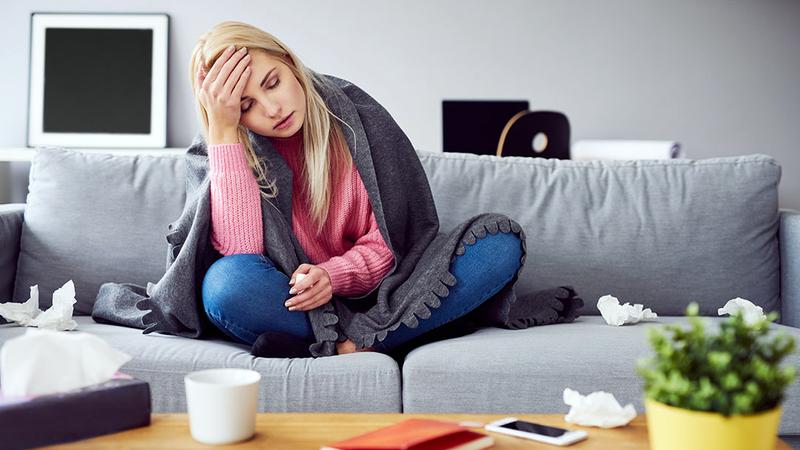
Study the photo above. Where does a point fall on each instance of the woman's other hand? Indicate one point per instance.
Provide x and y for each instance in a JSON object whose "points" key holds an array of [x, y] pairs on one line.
{"points": [[220, 90], [313, 289]]}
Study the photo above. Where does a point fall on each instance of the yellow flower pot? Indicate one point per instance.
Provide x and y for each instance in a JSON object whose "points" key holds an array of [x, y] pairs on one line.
{"points": [[672, 428]]}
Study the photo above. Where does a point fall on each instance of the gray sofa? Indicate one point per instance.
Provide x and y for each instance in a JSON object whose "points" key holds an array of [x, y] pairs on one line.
{"points": [[661, 233]]}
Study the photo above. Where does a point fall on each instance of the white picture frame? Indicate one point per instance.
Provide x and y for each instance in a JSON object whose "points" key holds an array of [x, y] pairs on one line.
{"points": [[98, 80]]}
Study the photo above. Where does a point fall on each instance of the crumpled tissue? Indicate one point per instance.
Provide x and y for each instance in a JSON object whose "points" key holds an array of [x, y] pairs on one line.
{"points": [[43, 361], [297, 279], [616, 314], [598, 409], [752, 312], [57, 317]]}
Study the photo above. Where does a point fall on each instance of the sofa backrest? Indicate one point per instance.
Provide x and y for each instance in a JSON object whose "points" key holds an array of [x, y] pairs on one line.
{"points": [[658, 232], [94, 218], [661, 233]]}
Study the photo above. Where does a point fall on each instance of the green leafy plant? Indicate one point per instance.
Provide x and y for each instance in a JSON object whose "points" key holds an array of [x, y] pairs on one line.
{"points": [[735, 371]]}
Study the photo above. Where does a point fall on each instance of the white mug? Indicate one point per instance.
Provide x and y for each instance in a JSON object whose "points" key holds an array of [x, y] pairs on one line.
{"points": [[222, 404]]}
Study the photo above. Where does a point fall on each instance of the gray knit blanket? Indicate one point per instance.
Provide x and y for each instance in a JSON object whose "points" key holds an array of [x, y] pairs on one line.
{"points": [[403, 205]]}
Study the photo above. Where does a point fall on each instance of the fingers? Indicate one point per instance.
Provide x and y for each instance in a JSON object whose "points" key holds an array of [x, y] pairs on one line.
{"points": [[314, 302], [237, 91], [302, 269], [225, 71], [312, 292], [213, 73], [296, 277], [303, 283], [217, 77], [302, 293], [238, 79], [311, 288]]}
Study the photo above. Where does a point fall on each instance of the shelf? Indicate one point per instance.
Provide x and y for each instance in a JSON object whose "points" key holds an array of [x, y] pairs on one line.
{"points": [[26, 153]]}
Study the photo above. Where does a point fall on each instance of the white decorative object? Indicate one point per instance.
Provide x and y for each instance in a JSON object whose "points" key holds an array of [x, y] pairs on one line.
{"points": [[609, 149], [57, 317], [617, 315], [752, 312], [598, 409]]}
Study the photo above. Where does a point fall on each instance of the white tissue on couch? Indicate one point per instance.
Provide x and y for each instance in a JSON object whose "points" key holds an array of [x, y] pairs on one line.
{"points": [[598, 409], [616, 314], [57, 317], [752, 312], [43, 361]]}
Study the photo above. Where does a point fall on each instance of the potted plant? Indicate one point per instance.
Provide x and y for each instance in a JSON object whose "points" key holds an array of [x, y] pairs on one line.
{"points": [[720, 390]]}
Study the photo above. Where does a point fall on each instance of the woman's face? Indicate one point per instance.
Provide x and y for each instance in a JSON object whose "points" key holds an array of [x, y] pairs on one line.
{"points": [[271, 94]]}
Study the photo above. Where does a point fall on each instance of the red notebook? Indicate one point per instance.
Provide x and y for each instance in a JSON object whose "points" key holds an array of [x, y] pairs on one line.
{"points": [[417, 434]]}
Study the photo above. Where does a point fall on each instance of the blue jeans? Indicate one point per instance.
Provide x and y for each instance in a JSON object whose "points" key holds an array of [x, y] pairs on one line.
{"points": [[243, 294]]}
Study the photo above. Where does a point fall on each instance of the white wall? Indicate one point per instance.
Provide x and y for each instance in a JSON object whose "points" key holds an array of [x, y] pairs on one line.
{"points": [[720, 76]]}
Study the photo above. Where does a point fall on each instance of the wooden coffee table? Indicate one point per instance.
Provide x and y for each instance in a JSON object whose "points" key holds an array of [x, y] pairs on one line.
{"points": [[298, 431]]}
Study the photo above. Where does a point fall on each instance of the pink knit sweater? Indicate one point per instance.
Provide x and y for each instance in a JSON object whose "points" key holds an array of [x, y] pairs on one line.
{"points": [[351, 248]]}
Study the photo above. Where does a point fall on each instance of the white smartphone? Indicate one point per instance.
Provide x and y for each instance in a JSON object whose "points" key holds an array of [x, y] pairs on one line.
{"points": [[536, 431]]}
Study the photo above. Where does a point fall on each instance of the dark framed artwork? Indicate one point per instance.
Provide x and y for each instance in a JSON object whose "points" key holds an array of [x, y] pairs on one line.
{"points": [[475, 126], [98, 80]]}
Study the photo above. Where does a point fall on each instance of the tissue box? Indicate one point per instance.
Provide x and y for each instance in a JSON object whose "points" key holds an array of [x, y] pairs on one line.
{"points": [[118, 404]]}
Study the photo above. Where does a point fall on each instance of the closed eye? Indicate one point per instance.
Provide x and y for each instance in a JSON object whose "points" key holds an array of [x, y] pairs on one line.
{"points": [[272, 86]]}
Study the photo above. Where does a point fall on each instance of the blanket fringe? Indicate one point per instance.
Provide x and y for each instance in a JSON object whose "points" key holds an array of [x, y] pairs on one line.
{"points": [[432, 298], [329, 333]]}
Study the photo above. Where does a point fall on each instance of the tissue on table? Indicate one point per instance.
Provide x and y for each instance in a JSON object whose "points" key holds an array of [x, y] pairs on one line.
{"points": [[616, 314], [752, 312], [57, 317], [43, 361], [598, 409]]}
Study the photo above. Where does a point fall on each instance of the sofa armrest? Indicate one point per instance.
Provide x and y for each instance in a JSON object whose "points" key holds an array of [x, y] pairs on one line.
{"points": [[789, 235], [11, 216]]}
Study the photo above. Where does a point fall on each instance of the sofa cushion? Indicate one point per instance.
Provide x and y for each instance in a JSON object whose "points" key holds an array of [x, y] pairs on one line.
{"points": [[94, 218], [658, 232], [504, 371], [356, 382], [11, 218]]}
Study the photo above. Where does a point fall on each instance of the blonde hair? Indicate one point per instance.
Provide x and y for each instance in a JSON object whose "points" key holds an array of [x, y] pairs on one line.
{"points": [[327, 157]]}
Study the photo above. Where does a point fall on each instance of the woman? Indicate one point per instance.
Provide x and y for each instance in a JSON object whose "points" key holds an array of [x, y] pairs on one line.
{"points": [[245, 79]]}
